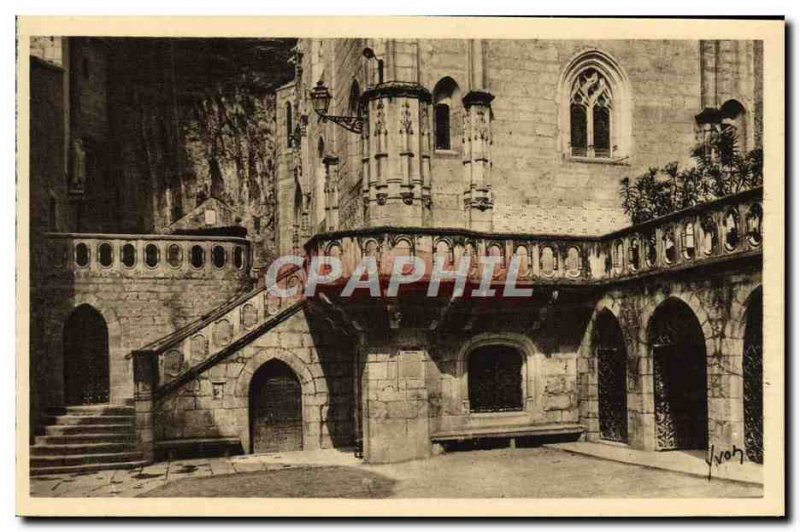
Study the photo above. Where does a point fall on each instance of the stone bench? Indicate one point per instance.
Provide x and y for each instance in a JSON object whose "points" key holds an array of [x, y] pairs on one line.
{"points": [[197, 447], [508, 432]]}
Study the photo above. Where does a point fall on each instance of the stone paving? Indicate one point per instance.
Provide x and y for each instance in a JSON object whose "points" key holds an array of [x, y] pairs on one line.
{"points": [[522, 472]]}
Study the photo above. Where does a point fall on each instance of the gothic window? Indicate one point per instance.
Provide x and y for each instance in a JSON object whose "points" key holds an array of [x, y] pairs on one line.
{"points": [[590, 115], [595, 104], [355, 95], [446, 115]]}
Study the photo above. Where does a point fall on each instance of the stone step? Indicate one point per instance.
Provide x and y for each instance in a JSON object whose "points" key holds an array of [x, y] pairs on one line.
{"points": [[70, 419], [82, 459], [81, 448], [91, 410], [74, 439], [63, 430], [86, 468]]}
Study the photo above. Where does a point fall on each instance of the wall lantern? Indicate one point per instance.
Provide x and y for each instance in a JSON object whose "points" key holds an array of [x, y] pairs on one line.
{"points": [[321, 101]]}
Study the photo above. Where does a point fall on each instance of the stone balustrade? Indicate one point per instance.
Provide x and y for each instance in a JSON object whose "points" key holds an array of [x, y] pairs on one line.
{"points": [[148, 256], [726, 228]]}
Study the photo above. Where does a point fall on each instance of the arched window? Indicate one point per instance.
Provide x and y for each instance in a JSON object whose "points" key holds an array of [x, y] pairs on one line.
{"points": [[446, 118], [596, 108], [353, 101], [734, 126]]}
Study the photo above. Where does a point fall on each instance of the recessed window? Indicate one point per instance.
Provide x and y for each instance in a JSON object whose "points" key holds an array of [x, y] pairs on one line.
{"points": [[104, 254], [619, 253], [151, 255], [289, 125], [82, 255], [218, 256], [595, 119], [590, 115], [495, 379], [446, 116], [128, 255], [174, 255], [198, 258]]}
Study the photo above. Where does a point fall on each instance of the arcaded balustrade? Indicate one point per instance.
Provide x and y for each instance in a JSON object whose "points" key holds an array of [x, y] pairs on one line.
{"points": [[716, 231], [133, 256]]}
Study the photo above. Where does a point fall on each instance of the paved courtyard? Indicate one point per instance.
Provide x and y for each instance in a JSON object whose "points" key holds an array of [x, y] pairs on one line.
{"points": [[528, 472]]}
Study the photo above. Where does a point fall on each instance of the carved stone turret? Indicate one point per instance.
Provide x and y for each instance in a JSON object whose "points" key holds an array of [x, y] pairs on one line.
{"points": [[396, 154]]}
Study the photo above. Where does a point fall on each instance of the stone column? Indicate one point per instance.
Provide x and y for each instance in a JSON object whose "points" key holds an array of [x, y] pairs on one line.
{"points": [[331, 192], [395, 411], [145, 376], [478, 201]]}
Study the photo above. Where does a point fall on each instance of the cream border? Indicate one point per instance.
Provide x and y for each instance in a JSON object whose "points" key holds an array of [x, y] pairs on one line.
{"points": [[771, 32]]}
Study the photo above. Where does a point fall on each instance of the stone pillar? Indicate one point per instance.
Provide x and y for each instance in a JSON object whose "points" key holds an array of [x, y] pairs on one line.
{"points": [[395, 411], [331, 192], [478, 200], [145, 376]]}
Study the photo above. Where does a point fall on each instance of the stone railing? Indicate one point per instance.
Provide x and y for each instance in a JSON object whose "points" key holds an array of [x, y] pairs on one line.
{"points": [[726, 228], [162, 367], [148, 256]]}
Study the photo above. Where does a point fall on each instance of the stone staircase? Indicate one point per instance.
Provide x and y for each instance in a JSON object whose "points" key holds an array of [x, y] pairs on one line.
{"points": [[84, 439]]}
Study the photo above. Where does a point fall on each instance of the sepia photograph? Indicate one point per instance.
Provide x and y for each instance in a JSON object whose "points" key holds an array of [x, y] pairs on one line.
{"points": [[337, 269]]}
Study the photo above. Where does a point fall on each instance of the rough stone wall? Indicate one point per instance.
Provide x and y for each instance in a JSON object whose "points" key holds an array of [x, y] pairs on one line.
{"points": [[190, 127], [719, 303], [136, 311], [323, 362]]}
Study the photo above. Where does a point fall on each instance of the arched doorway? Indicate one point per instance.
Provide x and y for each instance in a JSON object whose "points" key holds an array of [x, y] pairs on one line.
{"points": [[753, 374], [494, 379], [86, 364], [679, 377], [612, 390], [276, 409]]}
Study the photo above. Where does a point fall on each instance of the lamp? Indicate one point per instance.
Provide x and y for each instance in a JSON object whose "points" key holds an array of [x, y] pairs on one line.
{"points": [[321, 101]]}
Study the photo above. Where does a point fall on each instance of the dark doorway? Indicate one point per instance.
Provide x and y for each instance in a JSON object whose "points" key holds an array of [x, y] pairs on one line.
{"points": [[679, 376], [612, 392], [753, 374], [276, 409], [86, 371], [495, 379]]}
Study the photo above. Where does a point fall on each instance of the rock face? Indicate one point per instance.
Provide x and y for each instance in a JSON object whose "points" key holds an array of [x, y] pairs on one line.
{"points": [[193, 120]]}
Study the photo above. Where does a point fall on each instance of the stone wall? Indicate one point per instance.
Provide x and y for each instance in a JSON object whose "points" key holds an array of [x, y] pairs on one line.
{"points": [[216, 403], [137, 310], [537, 187]]}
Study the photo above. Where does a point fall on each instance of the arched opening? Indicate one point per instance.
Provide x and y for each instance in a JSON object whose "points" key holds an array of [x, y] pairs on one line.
{"points": [[289, 125], [276, 409], [679, 377], [595, 108], [734, 128], [86, 360], [494, 379], [612, 392], [446, 124], [753, 374]]}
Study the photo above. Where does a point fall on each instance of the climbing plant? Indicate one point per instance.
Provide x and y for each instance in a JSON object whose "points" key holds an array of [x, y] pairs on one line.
{"points": [[719, 170]]}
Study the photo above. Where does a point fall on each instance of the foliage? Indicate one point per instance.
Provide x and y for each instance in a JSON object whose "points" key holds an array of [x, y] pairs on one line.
{"points": [[719, 170]]}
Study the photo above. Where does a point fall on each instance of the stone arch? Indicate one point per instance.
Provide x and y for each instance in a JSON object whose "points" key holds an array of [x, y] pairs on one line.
{"points": [[678, 353], [448, 114], [518, 341], [622, 112], [307, 386], [120, 366]]}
